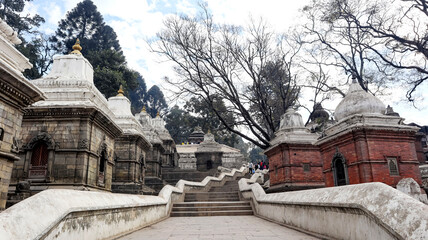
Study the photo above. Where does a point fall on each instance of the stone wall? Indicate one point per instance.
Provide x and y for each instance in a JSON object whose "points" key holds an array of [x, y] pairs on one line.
{"points": [[11, 118], [424, 176], [232, 160], [154, 161], [130, 164], [362, 211], [187, 161], [76, 140], [15, 93]]}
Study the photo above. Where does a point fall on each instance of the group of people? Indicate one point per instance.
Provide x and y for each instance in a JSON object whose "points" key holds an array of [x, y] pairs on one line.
{"points": [[252, 167]]}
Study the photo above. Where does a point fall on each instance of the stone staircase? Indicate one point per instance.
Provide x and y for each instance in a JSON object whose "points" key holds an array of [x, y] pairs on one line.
{"points": [[173, 175], [218, 201]]}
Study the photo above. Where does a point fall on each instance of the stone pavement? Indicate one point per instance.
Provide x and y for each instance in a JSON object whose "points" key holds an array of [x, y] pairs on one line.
{"points": [[218, 227]]}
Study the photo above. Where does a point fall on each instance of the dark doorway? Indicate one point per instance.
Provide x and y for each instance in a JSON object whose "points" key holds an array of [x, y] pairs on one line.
{"points": [[340, 174], [39, 161], [209, 164], [101, 169]]}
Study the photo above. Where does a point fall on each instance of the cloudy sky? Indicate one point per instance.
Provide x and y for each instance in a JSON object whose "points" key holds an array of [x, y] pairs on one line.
{"points": [[136, 21]]}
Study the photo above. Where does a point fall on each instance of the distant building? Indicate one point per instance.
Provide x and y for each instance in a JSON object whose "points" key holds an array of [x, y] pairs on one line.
{"points": [[208, 154], [197, 136], [163, 153]]}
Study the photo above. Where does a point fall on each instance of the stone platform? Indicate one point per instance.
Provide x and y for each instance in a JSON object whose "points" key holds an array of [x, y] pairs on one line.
{"points": [[219, 227]]}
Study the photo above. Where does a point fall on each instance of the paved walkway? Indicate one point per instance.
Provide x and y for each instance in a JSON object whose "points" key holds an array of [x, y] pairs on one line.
{"points": [[221, 227]]}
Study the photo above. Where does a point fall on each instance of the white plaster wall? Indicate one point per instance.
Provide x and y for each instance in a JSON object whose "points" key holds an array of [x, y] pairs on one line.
{"points": [[73, 214], [36, 216], [362, 211]]}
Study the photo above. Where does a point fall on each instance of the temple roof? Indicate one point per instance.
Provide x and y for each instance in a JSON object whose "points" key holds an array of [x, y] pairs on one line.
{"points": [[358, 101]]}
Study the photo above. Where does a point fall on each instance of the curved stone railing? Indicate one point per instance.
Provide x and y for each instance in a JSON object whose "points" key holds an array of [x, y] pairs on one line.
{"points": [[361, 211], [72, 214]]}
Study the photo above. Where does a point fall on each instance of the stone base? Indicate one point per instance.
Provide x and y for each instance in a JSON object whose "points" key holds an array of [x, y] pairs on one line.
{"points": [[288, 187], [128, 188], [154, 183]]}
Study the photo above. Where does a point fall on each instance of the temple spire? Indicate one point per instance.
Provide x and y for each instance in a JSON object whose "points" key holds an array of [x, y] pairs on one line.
{"points": [[143, 110], [77, 48], [120, 92]]}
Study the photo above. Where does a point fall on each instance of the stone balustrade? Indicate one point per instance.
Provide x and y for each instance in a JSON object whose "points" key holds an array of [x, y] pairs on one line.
{"points": [[72, 214], [361, 211]]}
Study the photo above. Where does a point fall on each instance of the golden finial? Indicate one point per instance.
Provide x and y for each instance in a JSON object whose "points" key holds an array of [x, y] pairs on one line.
{"points": [[209, 131], [120, 92], [77, 48], [143, 110], [157, 114]]}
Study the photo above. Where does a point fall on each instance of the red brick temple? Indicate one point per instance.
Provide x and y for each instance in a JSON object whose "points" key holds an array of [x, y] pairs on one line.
{"points": [[364, 145]]}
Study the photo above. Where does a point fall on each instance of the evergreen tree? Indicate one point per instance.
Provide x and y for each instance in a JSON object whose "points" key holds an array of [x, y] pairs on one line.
{"points": [[179, 124], [207, 119], [182, 122], [87, 24], [137, 95], [100, 47], [155, 101], [36, 49], [10, 12]]}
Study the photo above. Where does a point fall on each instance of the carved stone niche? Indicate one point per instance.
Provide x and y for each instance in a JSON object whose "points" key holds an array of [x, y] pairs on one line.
{"points": [[39, 168], [84, 144], [41, 137]]}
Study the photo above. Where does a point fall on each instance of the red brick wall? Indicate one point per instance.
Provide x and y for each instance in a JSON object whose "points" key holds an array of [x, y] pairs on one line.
{"points": [[286, 165], [366, 153], [419, 149]]}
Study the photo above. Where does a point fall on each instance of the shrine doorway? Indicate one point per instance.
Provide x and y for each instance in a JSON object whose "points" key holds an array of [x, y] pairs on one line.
{"points": [[340, 171]]}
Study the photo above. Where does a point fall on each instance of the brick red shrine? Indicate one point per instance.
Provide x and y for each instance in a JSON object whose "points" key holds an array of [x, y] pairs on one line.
{"points": [[364, 145]]}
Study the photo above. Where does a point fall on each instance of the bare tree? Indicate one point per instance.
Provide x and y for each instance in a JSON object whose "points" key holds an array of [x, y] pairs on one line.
{"points": [[402, 28], [391, 36], [243, 66], [347, 45]]}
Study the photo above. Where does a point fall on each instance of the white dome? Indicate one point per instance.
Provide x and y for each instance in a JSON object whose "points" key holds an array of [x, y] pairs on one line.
{"points": [[358, 101], [291, 119]]}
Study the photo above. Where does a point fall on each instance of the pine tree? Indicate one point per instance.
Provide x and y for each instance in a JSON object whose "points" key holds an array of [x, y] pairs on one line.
{"points": [[87, 24], [10, 12], [155, 101], [137, 95], [36, 49], [100, 47]]}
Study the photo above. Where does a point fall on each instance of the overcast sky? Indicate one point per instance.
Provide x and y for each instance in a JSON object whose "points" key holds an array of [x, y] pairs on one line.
{"points": [[135, 21]]}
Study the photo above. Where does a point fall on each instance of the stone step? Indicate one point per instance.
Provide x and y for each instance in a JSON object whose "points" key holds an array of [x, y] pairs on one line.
{"points": [[234, 189], [209, 197], [213, 199], [211, 204], [211, 213], [212, 193], [211, 208]]}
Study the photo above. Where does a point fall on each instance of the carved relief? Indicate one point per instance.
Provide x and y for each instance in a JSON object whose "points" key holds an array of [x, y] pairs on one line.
{"points": [[16, 145], [83, 144], [44, 137]]}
